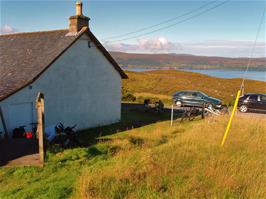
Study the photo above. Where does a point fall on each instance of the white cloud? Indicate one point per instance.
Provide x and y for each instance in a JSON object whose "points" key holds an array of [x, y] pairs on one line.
{"points": [[226, 48], [6, 29], [221, 48], [156, 45]]}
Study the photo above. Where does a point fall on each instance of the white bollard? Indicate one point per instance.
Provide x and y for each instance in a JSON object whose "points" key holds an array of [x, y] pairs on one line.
{"points": [[172, 115]]}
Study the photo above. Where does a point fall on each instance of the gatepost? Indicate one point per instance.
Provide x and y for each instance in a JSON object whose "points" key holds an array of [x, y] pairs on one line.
{"points": [[40, 126]]}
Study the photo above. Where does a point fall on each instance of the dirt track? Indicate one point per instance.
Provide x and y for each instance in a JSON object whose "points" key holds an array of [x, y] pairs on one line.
{"points": [[252, 115]]}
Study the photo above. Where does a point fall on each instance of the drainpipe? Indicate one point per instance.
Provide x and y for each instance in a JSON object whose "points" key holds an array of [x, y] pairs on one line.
{"points": [[3, 122]]}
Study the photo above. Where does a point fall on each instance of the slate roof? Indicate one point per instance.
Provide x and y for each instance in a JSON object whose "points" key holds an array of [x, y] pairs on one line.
{"points": [[25, 56]]}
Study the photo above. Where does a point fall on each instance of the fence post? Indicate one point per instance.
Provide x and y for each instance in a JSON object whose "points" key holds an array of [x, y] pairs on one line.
{"points": [[203, 110], [172, 115], [40, 127]]}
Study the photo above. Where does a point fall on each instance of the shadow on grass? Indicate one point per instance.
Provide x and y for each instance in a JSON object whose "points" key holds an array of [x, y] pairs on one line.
{"points": [[132, 116], [12, 149], [94, 151]]}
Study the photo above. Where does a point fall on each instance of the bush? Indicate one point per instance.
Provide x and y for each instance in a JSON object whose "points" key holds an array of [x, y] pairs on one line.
{"points": [[127, 95]]}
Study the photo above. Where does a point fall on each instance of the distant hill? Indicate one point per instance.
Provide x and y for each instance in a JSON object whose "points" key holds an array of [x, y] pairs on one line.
{"points": [[184, 61], [161, 84]]}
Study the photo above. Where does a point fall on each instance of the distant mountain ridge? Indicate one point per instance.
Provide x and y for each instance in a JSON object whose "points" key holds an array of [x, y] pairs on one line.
{"points": [[185, 61]]}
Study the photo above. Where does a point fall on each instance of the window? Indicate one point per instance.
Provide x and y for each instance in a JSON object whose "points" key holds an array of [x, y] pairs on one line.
{"points": [[253, 97], [187, 94], [203, 94], [196, 94], [245, 97], [263, 98], [179, 94]]}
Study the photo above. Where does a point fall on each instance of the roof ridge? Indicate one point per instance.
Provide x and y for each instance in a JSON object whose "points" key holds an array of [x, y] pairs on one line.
{"points": [[36, 32]]}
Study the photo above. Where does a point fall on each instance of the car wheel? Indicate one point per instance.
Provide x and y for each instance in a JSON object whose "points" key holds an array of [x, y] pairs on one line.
{"points": [[243, 108]]}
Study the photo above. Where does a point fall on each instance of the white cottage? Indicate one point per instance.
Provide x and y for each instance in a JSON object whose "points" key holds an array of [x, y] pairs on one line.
{"points": [[79, 78]]}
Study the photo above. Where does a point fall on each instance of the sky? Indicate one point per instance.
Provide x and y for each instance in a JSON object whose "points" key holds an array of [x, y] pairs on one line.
{"points": [[213, 28]]}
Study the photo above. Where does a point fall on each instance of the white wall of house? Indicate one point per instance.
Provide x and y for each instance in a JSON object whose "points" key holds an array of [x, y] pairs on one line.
{"points": [[81, 87]]}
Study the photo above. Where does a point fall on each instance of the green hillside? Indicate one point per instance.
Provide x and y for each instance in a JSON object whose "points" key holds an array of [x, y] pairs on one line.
{"points": [[162, 84]]}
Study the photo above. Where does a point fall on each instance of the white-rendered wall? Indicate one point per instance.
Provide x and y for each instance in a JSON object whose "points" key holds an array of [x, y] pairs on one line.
{"points": [[81, 87]]}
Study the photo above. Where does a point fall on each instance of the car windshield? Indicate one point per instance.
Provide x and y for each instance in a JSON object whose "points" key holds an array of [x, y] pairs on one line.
{"points": [[203, 94], [253, 97], [178, 93]]}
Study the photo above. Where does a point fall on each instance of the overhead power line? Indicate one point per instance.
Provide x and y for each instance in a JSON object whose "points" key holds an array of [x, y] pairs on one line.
{"points": [[242, 85], [253, 49], [163, 22], [171, 25]]}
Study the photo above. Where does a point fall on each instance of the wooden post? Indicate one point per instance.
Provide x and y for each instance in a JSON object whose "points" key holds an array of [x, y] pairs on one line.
{"points": [[40, 127], [203, 110], [242, 89]]}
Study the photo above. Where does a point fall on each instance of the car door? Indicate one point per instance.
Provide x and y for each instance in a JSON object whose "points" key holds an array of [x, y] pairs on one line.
{"points": [[197, 98], [187, 98], [261, 103], [253, 102]]}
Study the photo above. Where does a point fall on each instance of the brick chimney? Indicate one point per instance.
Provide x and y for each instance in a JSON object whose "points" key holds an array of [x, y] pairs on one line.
{"points": [[77, 22]]}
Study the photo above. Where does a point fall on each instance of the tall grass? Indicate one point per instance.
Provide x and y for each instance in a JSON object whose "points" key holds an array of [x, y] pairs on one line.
{"points": [[153, 161], [184, 161]]}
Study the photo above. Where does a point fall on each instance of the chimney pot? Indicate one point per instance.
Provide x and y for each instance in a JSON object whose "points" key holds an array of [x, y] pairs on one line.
{"points": [[78, 21], [79, 8]]}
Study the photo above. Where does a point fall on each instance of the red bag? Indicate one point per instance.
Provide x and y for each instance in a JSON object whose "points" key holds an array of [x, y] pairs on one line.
{"points": [[29, 135]]}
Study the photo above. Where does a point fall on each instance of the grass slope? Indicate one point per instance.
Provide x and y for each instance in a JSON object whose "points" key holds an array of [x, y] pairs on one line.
{"points": [[153, 161], [185, 161], [63, 167], [162, 84]]}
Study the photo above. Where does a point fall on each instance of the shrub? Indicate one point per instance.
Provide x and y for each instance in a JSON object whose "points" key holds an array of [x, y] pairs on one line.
{"points": [[127, 95]]}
